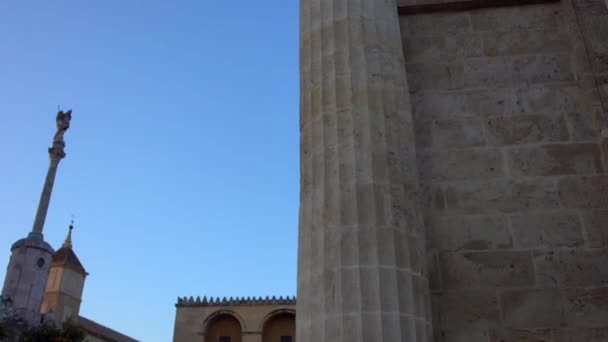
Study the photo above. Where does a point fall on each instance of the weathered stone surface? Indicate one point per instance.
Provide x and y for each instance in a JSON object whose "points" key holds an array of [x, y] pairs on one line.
{"points": [[505, 135], [439, 134], [462, 336], [536, 99], [425, 49], [484, 72], [562, 159], [581, 335], [591, 7], [359, 175], [570, 268], [470, 233], [596, 228], [523, 42], [486, 269], [587, 308], [463, 164], [542, 68], [433, 269], [584, 125], [523, 129], [516, 18], [542, 308], [440, 24], [522, 335], [547, 229], [502, 196], [466, 310], [595, 29], [584, 192], [443, 76]]}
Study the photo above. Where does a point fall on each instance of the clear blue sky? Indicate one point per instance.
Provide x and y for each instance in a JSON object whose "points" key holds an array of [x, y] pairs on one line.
{"points": [[182, 158]]}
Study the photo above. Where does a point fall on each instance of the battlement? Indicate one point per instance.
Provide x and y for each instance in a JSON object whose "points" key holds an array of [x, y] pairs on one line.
{"points": [[191, 301]]}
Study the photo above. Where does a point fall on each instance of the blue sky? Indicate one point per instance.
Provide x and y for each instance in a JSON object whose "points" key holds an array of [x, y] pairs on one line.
{"points": [[182, 158]]}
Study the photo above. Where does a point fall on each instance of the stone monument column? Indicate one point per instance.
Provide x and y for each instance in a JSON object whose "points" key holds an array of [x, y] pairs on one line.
{"points": [[30, 261], [361, 258], [56, 153]]}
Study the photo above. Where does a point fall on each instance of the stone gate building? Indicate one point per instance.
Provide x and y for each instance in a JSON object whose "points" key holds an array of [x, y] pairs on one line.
{"points": [[235, 320], [454, 181]]}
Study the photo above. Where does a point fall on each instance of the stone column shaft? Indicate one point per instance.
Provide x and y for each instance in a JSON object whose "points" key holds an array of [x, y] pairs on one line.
{"points": [[361, 263], [45, 197]]}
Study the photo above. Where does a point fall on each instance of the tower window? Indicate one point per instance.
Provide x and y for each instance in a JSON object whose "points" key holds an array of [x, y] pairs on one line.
{"points": [[40, 262], [285, 338], [224, 339]]}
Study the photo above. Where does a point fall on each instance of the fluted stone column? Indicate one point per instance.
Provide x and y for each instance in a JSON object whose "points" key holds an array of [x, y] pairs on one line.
{"points": [[361, 269]]}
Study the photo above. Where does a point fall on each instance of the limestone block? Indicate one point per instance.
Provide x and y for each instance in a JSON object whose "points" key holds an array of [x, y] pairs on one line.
{"points": [[435, 76], [544, 99], [596, 229], [584, 191], [455, 233], [516, 18], [433, 265], [458, 335], [521, 335], [587, 308], [602, 81], [574, 267], [486, 269], [440, 134], [542, 68], [466, 310], [547, 229], [436, 24], [441, 49], [522, 129], [487, 72], [524, 42], [431, 196], [591, 7], [553, 160], [479, 197], [585, 126], [463, 164], [581, 335], [533, 308], [595, 30]]}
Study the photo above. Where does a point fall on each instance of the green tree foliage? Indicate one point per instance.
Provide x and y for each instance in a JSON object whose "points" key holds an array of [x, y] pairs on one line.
{"points": [[49, 332]]}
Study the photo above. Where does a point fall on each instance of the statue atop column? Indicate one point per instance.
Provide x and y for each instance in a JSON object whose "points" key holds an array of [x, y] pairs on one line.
{"points": [[63, 123]]}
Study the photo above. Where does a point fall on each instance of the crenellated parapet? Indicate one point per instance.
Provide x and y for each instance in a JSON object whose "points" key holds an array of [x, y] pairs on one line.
{"points": [[232, 301]]}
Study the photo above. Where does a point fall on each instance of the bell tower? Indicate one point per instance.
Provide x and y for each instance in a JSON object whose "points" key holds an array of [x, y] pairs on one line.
{"points": [[65, 283], [31, 257]]}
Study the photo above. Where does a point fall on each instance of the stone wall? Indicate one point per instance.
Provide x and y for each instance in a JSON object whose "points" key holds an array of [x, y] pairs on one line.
{"points": [[592, 19], [191, 320], [513, 170]]}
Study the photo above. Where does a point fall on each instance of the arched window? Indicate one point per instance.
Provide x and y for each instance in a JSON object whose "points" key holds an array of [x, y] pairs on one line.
{"points": [[280, 327], [222, 327]]}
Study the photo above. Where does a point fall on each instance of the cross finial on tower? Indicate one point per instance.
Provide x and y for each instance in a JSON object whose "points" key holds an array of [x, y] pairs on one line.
{"points": [[68, 240]]}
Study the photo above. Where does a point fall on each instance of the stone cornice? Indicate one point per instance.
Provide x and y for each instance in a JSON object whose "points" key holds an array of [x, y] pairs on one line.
{"points": [[452, 6], [211, 301]]}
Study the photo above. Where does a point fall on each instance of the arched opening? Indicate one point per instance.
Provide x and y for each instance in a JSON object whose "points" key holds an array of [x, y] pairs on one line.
{"points": [[280, 327], [223, 327]]}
